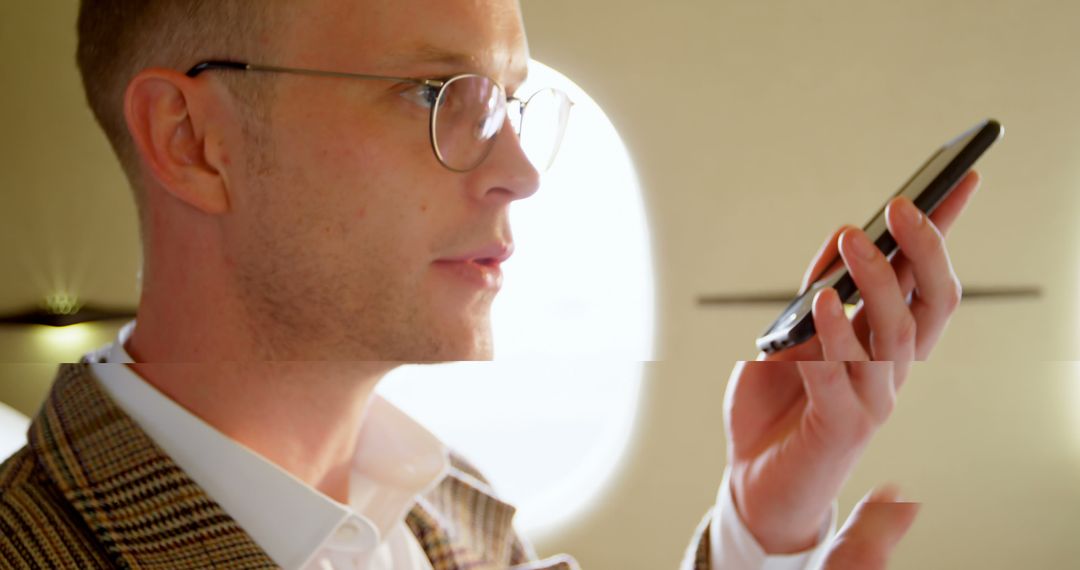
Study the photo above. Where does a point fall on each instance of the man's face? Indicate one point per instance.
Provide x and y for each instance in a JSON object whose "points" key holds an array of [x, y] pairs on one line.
{"points": [[342, 218]]}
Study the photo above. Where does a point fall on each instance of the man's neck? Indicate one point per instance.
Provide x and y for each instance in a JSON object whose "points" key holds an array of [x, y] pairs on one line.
{"points": [[282, 398], [303, 416]]}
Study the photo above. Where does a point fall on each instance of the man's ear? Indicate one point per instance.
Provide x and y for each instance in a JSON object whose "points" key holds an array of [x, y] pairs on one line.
{"points": [[168, 125]]}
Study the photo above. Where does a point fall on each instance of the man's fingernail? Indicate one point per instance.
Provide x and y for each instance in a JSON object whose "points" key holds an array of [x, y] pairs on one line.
{"points": [[910, 213], [860, 244], [888, 493], [830, 306]]}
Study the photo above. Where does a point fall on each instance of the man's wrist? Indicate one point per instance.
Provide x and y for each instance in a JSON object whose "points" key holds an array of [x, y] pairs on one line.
{"points": [[776, 534], [732, 545]]}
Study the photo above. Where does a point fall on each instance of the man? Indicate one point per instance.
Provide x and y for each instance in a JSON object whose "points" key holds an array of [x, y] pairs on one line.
{"points": [[308, 224]]}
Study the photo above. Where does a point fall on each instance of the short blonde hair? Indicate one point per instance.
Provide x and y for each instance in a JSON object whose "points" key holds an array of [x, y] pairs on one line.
{"points": [[119, 38]]}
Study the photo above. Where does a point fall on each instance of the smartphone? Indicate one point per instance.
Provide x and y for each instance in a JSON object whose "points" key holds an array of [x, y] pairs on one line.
{"points": [[930, 184]]}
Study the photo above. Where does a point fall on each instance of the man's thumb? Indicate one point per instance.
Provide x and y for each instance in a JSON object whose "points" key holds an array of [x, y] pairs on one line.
{"points": [[872, 531]]}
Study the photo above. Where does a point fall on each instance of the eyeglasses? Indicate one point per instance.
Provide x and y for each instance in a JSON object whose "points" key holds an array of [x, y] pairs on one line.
{"points": [[467, 112]]}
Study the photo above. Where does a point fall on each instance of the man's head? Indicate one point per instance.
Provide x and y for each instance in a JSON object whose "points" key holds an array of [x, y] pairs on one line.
{"points": [[313, 208], [120, 38]]}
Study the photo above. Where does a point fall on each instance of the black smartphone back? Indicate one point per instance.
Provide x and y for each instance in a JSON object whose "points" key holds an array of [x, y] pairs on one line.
{"points": [[930, 184]]}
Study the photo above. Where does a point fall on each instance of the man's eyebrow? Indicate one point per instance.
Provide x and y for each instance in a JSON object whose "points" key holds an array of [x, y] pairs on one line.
{"points": [[427, 53], [432, 54]]}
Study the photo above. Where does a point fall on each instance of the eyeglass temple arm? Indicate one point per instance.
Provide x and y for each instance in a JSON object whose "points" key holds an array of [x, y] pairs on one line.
{"points": [[239, 66], [206, 65]]}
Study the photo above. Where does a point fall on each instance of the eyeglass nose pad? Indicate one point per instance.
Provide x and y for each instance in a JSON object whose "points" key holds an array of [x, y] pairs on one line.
{"points": [[515, 110], [492, 122]]}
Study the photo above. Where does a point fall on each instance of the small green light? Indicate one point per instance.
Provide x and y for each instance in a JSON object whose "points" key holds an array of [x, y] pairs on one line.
{"points": [[62, 304]]}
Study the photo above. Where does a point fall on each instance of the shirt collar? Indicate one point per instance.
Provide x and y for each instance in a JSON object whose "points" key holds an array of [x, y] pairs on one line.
{"points": [[396, 460]]}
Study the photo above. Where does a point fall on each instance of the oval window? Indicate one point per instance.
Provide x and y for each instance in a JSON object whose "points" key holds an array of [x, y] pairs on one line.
{"points": [[13, 426], [549, 420]]}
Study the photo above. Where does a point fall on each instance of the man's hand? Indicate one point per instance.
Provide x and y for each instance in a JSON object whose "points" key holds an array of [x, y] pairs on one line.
{"points": [[876, 525], [798, 422]]}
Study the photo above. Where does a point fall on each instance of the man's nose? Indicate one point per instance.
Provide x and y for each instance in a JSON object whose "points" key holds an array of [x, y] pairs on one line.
{"points": [[507, 170]]}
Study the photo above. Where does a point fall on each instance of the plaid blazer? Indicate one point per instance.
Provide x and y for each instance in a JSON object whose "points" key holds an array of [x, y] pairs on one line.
{"points": [[92, 490]]}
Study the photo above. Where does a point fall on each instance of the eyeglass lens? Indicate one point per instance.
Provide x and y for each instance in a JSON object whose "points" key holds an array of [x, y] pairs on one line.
{"points": [[472, 109], [543, 123]]}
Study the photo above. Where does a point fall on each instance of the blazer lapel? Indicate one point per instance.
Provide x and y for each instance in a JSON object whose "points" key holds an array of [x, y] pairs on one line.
{"points": [[434, 539], [462, 526], [138, 503], [147, 513]]}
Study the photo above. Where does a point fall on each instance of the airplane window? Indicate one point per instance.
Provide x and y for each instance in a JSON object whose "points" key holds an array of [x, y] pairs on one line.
{"points": [[13, 426], [550, 418]]}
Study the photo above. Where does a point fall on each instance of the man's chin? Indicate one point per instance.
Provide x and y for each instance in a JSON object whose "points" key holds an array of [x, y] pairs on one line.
{"points": [[480, 352], [456, 344]]}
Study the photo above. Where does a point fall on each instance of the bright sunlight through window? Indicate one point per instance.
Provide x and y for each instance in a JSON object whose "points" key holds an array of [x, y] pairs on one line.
{"points": [[550, 419], [13, 426]]}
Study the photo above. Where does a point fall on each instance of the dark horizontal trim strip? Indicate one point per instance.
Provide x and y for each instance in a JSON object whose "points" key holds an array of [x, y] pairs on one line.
{"points": [[970, 293], [86, 314]]}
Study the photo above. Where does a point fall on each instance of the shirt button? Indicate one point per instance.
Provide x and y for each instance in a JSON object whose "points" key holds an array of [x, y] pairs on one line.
{"points": [[348, 532], [355, 534]]}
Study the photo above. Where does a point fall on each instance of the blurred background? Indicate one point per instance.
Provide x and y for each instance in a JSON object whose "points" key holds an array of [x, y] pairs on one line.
{"points": [[754, 129]]}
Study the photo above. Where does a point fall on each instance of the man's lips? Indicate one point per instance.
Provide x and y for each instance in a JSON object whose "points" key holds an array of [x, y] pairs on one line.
{"points": [[479, 267], [491, 254]]}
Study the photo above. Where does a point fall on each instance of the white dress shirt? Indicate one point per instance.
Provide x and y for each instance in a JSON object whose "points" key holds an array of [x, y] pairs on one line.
{"points": [[395, 461], [735, 548], [299, 527]]}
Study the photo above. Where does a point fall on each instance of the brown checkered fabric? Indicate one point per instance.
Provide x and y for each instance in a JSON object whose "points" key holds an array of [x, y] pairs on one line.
{"points": [[699, 555], [92, 490]]}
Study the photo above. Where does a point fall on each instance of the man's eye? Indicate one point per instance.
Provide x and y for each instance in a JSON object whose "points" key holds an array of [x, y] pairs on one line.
{"points": [[422, 95]]}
